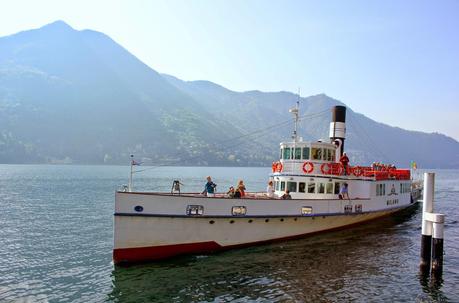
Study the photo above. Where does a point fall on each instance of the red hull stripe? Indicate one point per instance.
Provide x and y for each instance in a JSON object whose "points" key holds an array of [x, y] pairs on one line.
{"points": [[138, 254]]}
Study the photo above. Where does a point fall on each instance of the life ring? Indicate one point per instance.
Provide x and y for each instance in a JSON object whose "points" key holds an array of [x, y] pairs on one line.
{"points": [[310, 169], [322, 168], [336, 169], [274, 166], [279, 167], [357, 171]]}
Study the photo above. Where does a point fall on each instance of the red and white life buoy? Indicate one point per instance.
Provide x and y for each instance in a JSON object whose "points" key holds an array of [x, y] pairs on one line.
{"points": [[274, 166], [324, 170], [279, 167], [357, 171], [308, 167]]}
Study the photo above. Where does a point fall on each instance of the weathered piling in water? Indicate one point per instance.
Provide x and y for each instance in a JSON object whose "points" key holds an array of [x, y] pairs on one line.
{"points": [[432, 231]]}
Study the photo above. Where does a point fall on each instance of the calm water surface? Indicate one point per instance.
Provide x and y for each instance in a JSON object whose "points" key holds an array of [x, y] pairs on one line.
{"points": [[56, 244]]}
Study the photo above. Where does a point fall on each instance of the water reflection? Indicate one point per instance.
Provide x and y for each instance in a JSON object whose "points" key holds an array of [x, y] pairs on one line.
{"points": [[341, 266]]}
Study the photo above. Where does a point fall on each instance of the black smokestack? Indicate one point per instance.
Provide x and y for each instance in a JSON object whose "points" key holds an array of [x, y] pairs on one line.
{"points": [[338, 127]]}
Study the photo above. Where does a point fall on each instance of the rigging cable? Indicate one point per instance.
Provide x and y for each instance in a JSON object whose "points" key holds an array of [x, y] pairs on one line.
{"points": [[231, 145]]}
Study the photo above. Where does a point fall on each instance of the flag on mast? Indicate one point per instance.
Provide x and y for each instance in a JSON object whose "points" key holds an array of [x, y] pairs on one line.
{"points": [[134, 162]]}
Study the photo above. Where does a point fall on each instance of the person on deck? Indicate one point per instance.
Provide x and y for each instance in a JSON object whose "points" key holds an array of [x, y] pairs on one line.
{"points": [[270, 189], [344, 161], [286, 195], [343, 191], [231, 192], [209, 188], [241, 188]]}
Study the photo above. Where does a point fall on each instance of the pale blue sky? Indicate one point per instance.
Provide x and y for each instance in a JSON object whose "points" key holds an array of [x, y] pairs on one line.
{"points": [[394, 61]]}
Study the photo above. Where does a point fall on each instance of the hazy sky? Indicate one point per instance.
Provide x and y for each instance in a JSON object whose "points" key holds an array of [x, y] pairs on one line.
{"points": [[394, 61]]}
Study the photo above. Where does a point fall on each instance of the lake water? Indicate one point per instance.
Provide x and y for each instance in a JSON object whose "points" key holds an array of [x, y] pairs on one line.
{"points": [[56, 246]]}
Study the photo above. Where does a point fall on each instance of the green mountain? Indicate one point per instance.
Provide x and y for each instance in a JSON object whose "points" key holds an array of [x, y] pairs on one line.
{"points": [[69, 96]]}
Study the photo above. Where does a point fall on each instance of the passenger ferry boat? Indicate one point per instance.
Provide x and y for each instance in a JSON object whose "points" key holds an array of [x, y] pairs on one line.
{"points": [[157, 225]]}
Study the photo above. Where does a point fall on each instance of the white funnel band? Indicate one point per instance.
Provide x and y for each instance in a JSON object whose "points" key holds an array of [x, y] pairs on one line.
{"points": [[337, 130]]}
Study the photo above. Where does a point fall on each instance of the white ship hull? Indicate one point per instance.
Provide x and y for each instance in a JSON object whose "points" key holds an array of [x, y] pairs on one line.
{"points": [[163, 229]]}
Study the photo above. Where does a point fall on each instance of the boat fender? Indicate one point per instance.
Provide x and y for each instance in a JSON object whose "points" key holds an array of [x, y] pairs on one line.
{"points": [[308, 167]]}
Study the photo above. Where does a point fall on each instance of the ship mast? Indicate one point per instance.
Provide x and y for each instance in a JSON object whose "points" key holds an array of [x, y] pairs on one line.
{"points": [[295, 112]]}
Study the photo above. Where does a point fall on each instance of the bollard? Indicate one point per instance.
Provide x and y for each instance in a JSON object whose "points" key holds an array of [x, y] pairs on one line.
{"points": [[437, 244], [426, 237]]}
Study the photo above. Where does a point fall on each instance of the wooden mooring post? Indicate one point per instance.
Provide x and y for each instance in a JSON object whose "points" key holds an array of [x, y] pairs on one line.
{"points": [[432, 231]]}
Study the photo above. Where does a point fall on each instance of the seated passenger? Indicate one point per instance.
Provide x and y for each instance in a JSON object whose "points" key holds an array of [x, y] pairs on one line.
{"points": [[231, 192], [286, 195], [270, 189], [241, 188], [343, 192]]}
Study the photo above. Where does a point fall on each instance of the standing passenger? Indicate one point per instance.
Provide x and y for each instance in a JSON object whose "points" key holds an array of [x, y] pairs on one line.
{"points": [[344, 161], [209, 188], [270, 189]]}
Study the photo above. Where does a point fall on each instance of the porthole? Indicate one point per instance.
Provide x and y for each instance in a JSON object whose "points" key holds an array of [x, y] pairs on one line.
{"points": [[232, 221], [211, 222], [138, 208], [296, 219], [267, 220], [250, 221], [282, 220]]}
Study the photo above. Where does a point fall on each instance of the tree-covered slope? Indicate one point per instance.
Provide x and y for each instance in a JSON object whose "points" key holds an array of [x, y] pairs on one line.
{"points": [[79, 97]]}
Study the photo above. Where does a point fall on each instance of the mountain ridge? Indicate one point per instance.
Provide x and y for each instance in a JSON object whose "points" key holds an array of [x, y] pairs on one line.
{"points": [[80, 97]]}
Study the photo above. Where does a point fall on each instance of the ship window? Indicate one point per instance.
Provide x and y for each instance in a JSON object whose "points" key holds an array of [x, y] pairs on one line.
{"points": [[305, 153], [297, 153], [337, 185], [325, 150], [301, 187], [311, 188], [306, 210], [291, 186], [282, 185], [277, 185], [194, 210], [238, 210], [380, 189], [347, 209], [329, 188], [321, 188], [333, 155], [330, 155], [286, 153], [316, 153]]}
